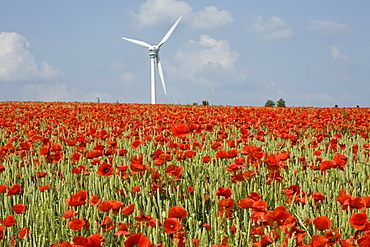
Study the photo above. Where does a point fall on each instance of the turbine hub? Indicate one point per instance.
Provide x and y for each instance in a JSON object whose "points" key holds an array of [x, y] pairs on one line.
{"points": [[153, 51]]}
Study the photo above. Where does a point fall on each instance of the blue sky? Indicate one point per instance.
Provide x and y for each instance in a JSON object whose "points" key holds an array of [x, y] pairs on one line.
{"points": [[310, 53]]}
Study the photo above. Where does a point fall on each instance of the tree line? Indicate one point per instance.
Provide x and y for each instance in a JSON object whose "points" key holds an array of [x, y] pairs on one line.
{"points": [[279, 103]]}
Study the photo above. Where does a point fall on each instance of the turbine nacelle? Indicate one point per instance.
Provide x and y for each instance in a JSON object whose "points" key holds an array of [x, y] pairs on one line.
{"points": [[154, 58], [153, 50]]}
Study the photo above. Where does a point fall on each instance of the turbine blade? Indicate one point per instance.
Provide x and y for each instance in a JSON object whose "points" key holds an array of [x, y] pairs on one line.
{"points": [[138, 42], [168, 34], [160, 71]]}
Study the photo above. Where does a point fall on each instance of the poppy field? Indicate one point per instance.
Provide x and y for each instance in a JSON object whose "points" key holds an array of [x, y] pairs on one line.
{"points": [[96, 174]]}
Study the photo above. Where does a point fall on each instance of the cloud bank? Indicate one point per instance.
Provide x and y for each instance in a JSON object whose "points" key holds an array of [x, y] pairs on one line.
{"points": [[17, 62], [328, 27], [337, 55], [153, 12], [207, 53], [271, 29]]}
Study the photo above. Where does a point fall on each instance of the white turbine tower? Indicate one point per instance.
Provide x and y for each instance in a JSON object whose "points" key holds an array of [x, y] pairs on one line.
{"points": [[154, 58]]}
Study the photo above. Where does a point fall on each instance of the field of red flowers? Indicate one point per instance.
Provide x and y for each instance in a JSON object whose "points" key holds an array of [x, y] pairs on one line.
{"points": [[85, 174]]}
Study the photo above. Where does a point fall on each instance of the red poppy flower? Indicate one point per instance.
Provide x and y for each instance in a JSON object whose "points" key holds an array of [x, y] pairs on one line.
{"points": [[135, 144], [137, 164], [246, 203], [358, 220], [340, 161], [317, 197], [208, 227], [206, 159], [80, 240], [1, 233], [222, 191], [347, 242], [105, 170], [94, 154], [105, 206], [323, 166], [19, 208], [116, 206], [95, 239], [265, 240], [76, 224], [14, 190], [136, 189], [221, 154], [172, 225], [254, 196], [138, 239], [43, 188], [190, 154], [128, 209], [44, 151], [143, 218], [25, 231], [322, 223], [69, 214], [3, 188], [357, 202], [76, 157], [122, 229], [94, 200], [367, 201], [177, 212], [191, 189], [180, 130], [77, 199], [56, 157], [107, 224], [174, 171], [260, 206], [364, 241], [41, 174], [318, 241], [9, 221], [195, 242]]}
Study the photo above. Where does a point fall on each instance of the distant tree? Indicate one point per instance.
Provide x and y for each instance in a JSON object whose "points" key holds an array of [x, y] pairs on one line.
{"points": [[336, 106], [280, 103], [270, 103], [195, 103], [205, 102]]}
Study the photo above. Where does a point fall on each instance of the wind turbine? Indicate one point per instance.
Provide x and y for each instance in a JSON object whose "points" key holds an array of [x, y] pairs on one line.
{"points": [[154, 58]]}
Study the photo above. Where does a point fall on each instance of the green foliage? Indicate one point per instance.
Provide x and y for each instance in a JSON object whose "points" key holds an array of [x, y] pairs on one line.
{"points": [[270, 103], [205, 102], [281, 103]]}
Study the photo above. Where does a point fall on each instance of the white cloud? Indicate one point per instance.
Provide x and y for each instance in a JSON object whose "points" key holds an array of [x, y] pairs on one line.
{"points": [[153, 12], [272, 29], [17, 62], [329, 27], [211, 18], [337, 55], [206, 53]]}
